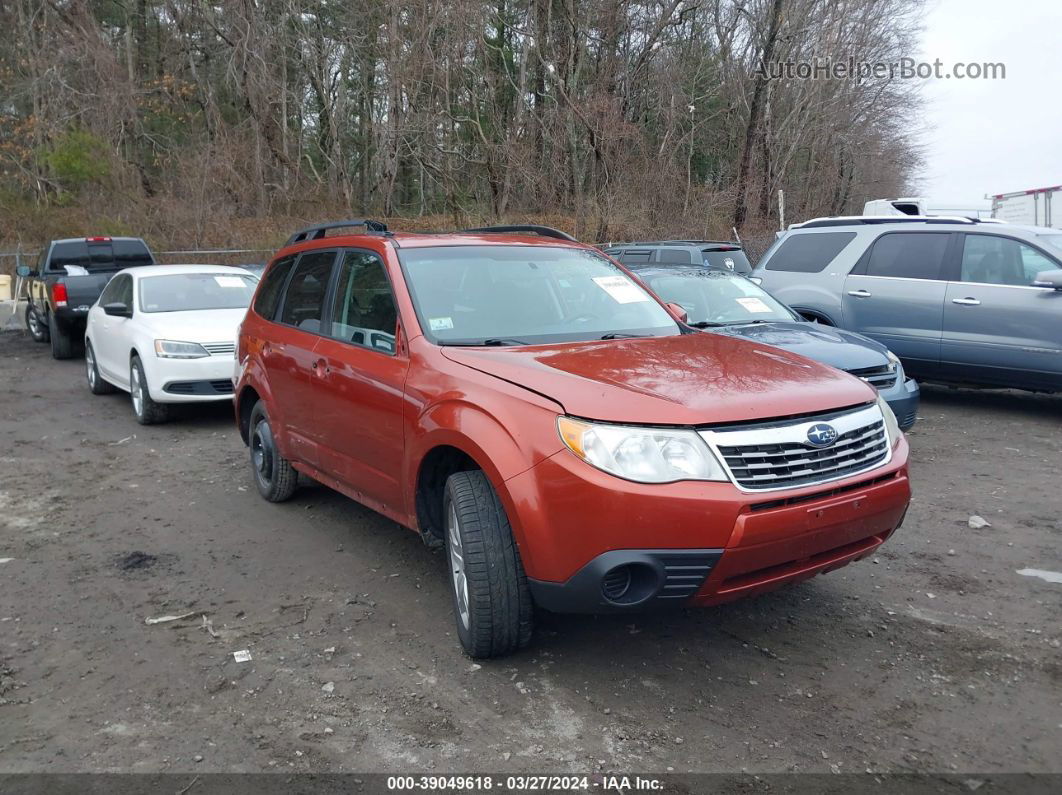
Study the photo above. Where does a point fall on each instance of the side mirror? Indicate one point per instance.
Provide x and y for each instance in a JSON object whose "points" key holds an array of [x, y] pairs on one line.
{"points": [[24, 271], [117, 309], [678, 312], [1052, 280]]}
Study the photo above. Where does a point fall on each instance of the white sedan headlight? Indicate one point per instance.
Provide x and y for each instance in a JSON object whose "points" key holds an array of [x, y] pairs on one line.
{"points": [[171, 349], [645, 455], [892, 427]]}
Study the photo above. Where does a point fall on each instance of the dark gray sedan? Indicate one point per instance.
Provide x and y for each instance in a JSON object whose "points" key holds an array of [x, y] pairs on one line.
{"points": [[723, 302]]}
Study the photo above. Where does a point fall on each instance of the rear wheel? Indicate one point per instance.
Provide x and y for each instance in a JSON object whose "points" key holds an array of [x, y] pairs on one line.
{"points": [[492, 603], [147, 411], [92, 372], [37, 329], [61, 339], [274, 475]]}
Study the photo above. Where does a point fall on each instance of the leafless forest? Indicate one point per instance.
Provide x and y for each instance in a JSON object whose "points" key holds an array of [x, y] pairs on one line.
{"points": [[203, 122]]}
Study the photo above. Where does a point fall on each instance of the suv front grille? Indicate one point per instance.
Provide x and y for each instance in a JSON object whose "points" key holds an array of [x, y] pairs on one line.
{"points": [[782, 457], [882, 377]]}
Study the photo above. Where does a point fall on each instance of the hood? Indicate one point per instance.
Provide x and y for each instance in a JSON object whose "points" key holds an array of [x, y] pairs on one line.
{"points": [[687, 379], [838, 348], [203, 325]]}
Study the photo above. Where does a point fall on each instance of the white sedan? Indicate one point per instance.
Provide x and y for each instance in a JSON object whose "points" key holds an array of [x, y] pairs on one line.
{"points": [[166, 334]]}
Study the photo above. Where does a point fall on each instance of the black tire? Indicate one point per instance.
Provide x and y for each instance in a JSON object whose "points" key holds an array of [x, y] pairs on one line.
{"points": [[147, 411], [62, 341], [92, 372], [37, 328], [498, 614], [274, 475]]}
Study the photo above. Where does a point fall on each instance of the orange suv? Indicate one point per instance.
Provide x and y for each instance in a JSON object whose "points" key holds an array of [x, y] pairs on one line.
{"points": [[524, 402]]}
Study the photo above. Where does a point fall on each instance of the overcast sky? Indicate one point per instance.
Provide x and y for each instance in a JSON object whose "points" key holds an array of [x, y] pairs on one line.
{"points": [[993, 136]]}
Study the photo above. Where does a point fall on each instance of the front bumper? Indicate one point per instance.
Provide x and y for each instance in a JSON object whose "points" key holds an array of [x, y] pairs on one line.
{"points": [[690, 543], [903, 398], [204, 380]]}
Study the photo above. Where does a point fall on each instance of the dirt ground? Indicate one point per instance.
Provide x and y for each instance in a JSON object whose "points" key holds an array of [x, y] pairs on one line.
{"points": [[935, 656]]}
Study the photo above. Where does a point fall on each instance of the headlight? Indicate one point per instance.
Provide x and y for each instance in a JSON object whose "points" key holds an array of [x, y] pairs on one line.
{"points": [[645, 455], [169, 349], [891, 426]]}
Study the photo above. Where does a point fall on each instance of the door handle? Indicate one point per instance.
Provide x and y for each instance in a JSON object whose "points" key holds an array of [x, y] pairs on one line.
{"points": [[966, 301], [321, 367], [859, 293]]}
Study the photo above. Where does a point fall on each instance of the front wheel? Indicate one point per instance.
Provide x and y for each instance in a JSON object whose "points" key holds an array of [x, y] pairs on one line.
{"points": [[274, 475], [37, 328], [492, 602], [92, 372], [147, 411]]}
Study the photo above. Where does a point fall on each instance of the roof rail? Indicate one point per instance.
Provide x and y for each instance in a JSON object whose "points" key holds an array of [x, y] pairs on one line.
{"points": [[675, 243], [317, 231], [849, 220], [533, 229]]}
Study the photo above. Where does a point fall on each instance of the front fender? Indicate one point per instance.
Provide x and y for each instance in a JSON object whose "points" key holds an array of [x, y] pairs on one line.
{"points": [[503, 445]]}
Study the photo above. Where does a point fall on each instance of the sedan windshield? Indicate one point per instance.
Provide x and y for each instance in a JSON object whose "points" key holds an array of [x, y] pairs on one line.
{"points": [[522, 295], [716, 297], [1055, 241], [185, 292]]}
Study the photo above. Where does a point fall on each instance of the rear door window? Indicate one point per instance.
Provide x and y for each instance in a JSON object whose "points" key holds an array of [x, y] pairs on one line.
{"points": [[908, 255], [268, 296], [810, 252], [304, 298]]}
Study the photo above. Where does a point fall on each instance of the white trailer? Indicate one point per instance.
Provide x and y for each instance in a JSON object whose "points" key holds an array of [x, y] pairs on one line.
{"points": [[1036, 207], [918, 205]]}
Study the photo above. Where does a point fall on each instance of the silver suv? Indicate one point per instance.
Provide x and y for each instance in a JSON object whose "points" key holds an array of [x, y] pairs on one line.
{"points": [[959, 301]]}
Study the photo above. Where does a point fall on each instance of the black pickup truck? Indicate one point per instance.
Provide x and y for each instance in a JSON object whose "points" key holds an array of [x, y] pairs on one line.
{"points": [[69, 277]]}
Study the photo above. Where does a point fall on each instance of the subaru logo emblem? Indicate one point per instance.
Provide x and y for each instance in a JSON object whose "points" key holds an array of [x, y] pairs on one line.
{"points": [[822, 435]]}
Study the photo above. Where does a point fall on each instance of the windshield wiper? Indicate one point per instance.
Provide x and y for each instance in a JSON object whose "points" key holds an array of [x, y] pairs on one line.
{"points": [[705, 324], [619, 335], [489, 342]]}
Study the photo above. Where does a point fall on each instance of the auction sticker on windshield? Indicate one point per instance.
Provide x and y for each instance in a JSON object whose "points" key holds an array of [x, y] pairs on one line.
{"points": [[230, 281], [623, 291], [441, 323], [753, 304]]}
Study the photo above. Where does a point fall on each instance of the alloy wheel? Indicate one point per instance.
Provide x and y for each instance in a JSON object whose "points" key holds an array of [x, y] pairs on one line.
{"points": [[457, 565], [136, 391], [90, 366]]}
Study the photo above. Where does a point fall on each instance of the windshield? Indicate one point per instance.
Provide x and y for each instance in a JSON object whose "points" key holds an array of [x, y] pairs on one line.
{"points": [[715, 297], [515, 295], [1054, 241], [185, 292]]}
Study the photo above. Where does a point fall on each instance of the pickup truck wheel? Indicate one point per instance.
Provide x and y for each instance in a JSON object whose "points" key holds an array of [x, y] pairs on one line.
{"points": [[36, 326], [147, 411], [95, 381], [491, 599], [274, 475], [62, 341]]}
